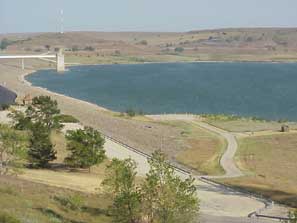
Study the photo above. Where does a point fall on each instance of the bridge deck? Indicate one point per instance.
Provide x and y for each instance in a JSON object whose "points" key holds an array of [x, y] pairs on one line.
{"points": [[27, 56]]}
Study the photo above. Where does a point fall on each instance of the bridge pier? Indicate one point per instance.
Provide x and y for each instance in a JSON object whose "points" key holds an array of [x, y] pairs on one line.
{"points": [[60, 61]]}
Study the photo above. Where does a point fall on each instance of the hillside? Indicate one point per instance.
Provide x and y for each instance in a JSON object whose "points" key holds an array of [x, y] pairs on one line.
{"points": [[246, 44]]}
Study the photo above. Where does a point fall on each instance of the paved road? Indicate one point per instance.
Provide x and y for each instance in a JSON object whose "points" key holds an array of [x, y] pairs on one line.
{"points": [[227, 160], [214, 200]]}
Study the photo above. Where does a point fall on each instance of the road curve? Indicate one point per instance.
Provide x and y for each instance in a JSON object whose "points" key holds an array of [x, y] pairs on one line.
{"points": [[215, 200], [227, 160]]}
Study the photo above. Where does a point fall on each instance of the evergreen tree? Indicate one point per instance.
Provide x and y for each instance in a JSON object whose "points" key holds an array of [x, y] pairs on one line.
{"points": [[86, 148], [44, 109], [41, 150]]}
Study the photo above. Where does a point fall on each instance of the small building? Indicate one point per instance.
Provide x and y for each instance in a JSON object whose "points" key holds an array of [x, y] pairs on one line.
{"points": [[285, 128]]}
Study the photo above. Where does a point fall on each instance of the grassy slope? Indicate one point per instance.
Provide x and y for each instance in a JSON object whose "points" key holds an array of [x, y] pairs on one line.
{"points": [[58, 175], [32, 196], [203, 148], [270, 162], [33, 202]]}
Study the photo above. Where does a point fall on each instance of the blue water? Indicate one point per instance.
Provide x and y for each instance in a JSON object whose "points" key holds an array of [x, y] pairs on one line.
{"points": [[265, 90]]}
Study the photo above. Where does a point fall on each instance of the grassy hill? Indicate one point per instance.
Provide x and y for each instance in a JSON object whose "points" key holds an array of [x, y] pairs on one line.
{"points": [[245, 44]]}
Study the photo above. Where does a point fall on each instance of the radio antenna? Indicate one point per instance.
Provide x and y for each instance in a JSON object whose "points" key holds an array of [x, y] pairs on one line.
{"points": [[62, 21]]}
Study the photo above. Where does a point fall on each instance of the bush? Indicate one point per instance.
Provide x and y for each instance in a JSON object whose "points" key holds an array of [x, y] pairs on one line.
{"points": [[4, 44], [143, 42], [7, 218], [73, 202], [131, 112], [66, 119], [89, 48], [4, 107], [75, 48], [179, 49]]}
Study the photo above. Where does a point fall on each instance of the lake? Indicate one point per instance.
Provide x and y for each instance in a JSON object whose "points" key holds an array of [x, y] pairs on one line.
{"points": [[264, 90]]}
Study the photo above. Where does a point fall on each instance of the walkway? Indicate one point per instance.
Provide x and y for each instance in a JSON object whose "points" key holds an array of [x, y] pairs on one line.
{"points": [[227, 160]]}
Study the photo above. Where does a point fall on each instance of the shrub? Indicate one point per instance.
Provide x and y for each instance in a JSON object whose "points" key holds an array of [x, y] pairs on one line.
{"points": [[143, 42], [7, 218], [73, 202], [179, 49], [4, 107], [75, 48], [4, 44], [89, 48], [66, 119], [131, 112]]}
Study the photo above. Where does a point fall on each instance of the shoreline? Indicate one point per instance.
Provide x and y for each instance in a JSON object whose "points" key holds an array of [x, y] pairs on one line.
{"points": [[182, 62], [22, 78]]}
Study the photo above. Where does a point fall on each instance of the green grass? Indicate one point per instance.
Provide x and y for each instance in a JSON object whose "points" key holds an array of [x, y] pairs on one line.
{"points": [[66, 119], [32, 202], [270, 164]]}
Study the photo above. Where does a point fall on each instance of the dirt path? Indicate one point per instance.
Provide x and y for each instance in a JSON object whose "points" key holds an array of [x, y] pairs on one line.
{"points": [[227, 160]]}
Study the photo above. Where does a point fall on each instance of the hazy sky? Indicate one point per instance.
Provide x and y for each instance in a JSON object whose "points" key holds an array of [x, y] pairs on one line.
{"points": [[144, 15]]}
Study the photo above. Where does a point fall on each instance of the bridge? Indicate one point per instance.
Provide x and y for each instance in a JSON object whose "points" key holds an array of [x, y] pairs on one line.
{"points": [[47, 57]]}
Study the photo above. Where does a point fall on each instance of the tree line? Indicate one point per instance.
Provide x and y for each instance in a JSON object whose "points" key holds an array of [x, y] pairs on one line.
{"points": [[160, 197]]}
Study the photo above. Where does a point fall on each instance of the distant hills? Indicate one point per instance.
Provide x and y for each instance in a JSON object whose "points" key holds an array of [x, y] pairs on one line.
{"points": [[247, 44]]}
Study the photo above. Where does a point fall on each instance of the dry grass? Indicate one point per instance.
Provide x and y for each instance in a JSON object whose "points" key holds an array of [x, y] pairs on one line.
{"points": [[60, 176], [271, 164], [203, 149], [244, 125], [124, 47], [33, 202]]}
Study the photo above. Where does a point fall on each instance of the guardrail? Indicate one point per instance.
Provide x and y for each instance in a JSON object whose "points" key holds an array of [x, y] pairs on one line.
{"points": [[148, 156], [266, 201], [273, 217]]}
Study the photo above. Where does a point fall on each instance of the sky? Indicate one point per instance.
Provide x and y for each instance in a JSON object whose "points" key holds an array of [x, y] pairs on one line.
{"points": [[18, 16]]}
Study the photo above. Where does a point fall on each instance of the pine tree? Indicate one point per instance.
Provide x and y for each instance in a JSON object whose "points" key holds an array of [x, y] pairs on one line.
{"points": [[86, 148], [44, 109], [41, 150]]}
